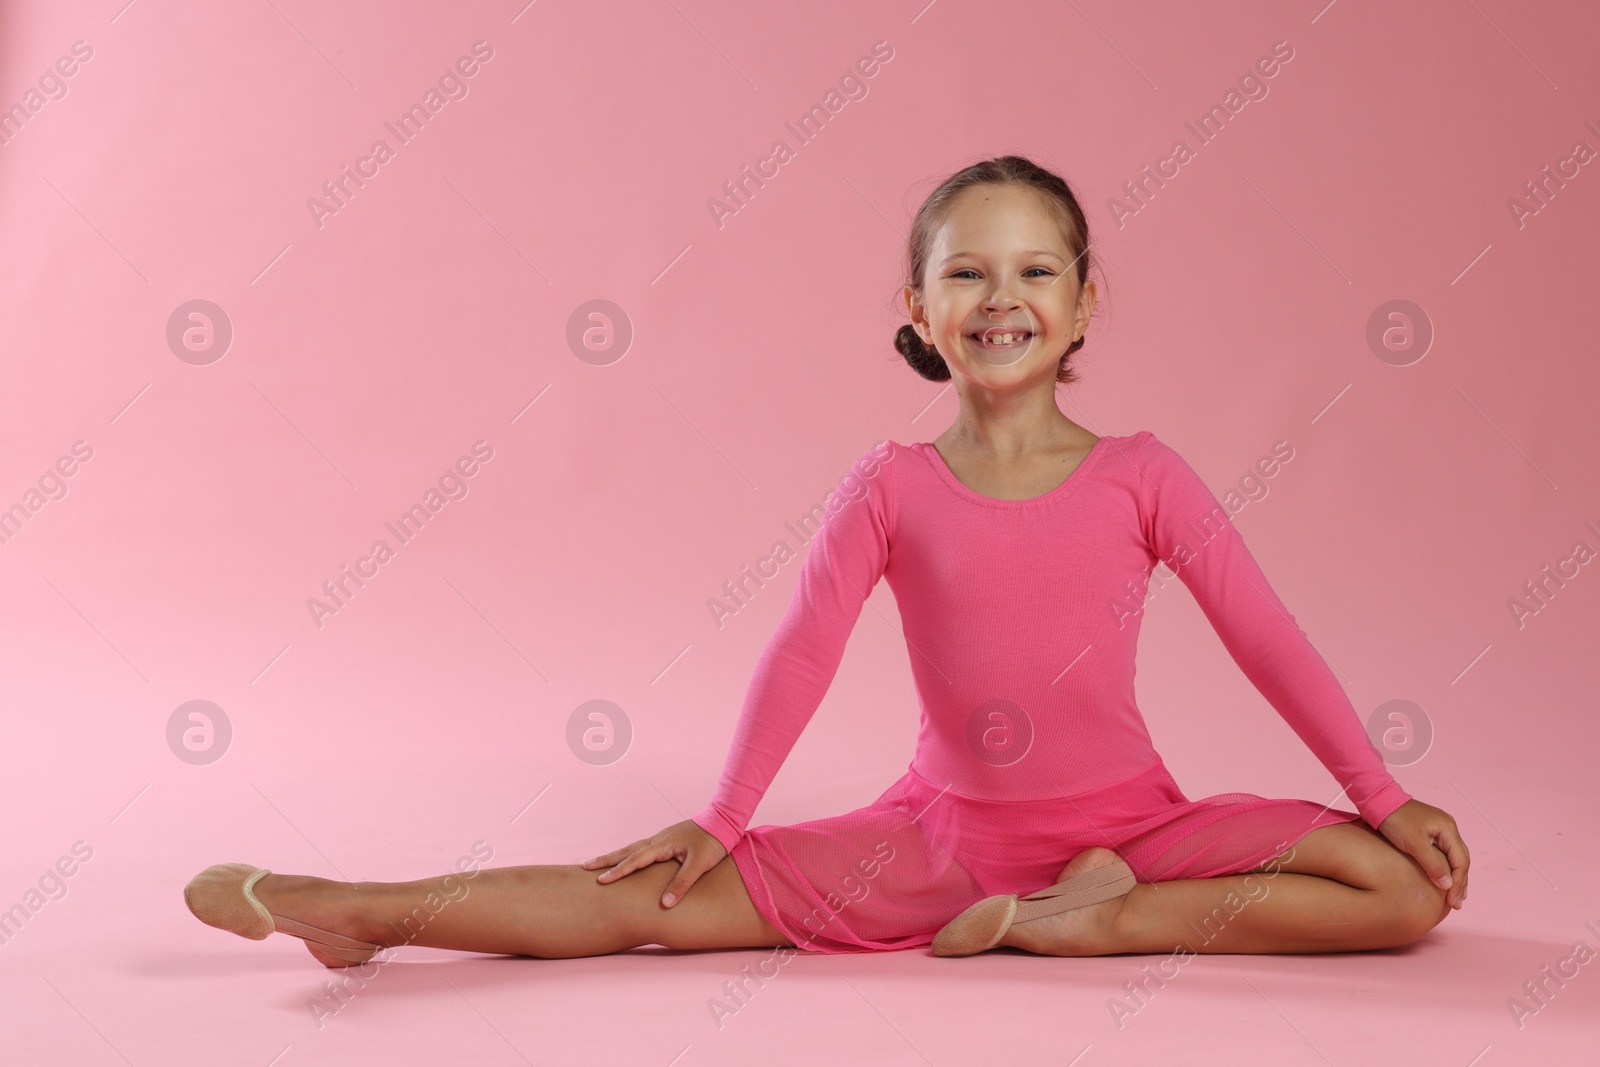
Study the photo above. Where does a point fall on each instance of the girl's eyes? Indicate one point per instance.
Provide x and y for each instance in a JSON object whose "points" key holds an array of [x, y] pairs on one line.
{"points": [[969, 270]]}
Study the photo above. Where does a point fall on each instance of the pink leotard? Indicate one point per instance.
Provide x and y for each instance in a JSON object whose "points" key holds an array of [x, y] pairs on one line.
{"points": [[1021, 619]]}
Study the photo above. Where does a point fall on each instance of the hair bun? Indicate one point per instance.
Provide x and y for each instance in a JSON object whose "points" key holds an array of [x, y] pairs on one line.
{"points": [[924, 359]]}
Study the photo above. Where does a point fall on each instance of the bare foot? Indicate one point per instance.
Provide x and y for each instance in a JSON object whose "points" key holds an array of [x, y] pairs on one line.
{"points": [[333, 906], [1079, 932]]}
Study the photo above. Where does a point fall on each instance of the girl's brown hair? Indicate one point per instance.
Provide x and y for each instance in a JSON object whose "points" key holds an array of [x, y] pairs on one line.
{"points": [[1004, 170]]}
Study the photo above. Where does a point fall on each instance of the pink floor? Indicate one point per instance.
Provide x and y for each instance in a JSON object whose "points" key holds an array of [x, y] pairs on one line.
{"points": [[117, 970], [625, 481]]}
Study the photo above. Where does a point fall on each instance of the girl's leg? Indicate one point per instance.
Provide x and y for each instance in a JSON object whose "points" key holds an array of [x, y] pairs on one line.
{"points": [[556, 911], [1341, 888]]}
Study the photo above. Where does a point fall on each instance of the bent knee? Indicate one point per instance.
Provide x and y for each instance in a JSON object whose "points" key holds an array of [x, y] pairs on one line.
{"points": [[1413, 905]]}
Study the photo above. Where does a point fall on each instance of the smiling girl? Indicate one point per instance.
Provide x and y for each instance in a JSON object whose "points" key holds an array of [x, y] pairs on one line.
{"points": [[1019, 546]]}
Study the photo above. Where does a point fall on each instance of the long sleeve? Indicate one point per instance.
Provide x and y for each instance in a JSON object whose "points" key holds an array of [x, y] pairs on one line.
{"points": [[1186, 527], [847, 557]]}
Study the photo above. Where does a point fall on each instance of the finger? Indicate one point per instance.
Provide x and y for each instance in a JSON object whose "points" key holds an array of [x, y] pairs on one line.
{"points": [[1439, 846], [624, 866], [1431, 860], [1439, 868], [642, 857], [1448, 840], [689, 873], [614, 855]]}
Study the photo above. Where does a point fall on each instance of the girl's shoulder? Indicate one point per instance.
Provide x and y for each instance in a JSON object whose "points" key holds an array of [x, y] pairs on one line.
{"points": [[868, 477], [1139, 463], [1141, 447]]}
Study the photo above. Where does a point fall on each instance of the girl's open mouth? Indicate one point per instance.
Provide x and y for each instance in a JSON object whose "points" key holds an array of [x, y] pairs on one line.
{"points": [[1001, 338]]}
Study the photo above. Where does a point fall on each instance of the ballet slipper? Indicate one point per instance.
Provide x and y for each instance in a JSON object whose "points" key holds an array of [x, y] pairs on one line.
{"points": [[223, 896], [982, 925]]}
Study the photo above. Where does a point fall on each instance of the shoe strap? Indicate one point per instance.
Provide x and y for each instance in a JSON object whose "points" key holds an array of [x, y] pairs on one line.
{"points": [[327, 938], [1090, 887]]}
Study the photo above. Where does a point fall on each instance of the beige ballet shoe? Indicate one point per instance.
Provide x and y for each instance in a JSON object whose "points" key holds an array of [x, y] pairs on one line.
{"points": [[223, 896], [982, 925]]}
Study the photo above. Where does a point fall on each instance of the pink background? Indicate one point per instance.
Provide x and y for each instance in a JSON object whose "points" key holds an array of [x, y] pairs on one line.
{"points": [[432, 309]]}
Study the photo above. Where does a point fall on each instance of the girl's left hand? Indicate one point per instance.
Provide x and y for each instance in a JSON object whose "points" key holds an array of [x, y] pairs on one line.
{"points": [[1428, 835]]}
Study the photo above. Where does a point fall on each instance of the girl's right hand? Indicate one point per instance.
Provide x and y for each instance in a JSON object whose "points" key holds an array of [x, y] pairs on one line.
{"points": [[697, 851]]}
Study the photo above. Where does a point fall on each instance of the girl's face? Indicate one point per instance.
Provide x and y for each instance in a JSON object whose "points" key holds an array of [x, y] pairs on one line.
{"points": [[1000, 265]]}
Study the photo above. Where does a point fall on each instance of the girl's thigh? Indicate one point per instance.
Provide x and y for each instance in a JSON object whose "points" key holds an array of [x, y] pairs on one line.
{"points": [[1357, 855], [716, 912]]}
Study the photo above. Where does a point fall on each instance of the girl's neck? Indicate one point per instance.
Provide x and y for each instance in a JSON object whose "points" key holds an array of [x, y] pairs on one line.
{"points": [[1014, 434]]}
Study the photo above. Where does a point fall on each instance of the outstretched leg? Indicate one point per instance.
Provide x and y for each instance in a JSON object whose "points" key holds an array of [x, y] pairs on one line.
{"points": [[553, 911], [1341, 888]]}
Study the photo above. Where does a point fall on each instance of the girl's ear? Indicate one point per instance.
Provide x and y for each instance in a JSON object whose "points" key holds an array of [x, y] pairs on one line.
{"points": [[1085, 309], [919, 318]]}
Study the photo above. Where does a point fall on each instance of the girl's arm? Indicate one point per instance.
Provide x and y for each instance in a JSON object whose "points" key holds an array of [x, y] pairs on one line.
{"points": [[1186, 527], [846, 559]]}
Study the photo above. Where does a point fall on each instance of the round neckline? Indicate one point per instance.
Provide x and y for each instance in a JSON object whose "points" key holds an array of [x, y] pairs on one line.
{"points": [[960, 488]]}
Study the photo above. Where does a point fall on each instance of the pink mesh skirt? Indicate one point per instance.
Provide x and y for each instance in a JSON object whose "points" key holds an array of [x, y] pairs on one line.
{"points": [[889, 875]]}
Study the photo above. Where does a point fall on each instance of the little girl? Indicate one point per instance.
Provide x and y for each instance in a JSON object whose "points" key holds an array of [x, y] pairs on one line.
{"points": [[1019, 547]]}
